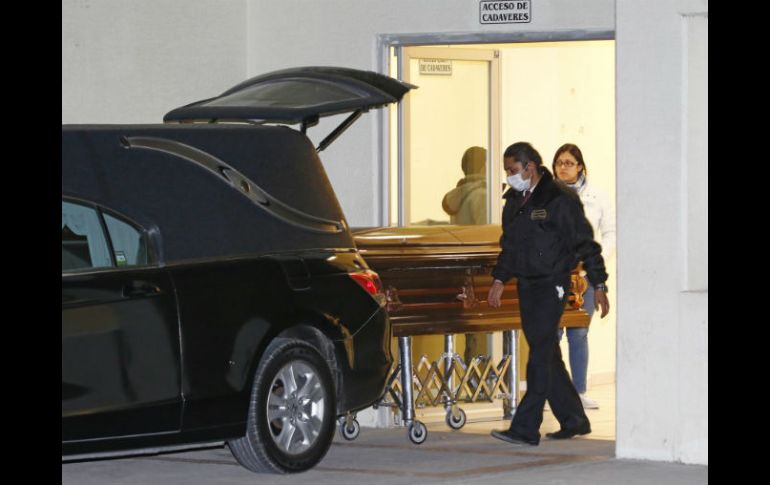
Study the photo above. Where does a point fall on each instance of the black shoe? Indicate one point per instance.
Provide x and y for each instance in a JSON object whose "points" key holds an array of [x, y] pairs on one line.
{"points": [[514, 438], [565, 434]]}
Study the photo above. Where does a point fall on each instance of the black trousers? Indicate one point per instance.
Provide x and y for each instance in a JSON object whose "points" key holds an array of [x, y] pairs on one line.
{"points": [[547, 377]]}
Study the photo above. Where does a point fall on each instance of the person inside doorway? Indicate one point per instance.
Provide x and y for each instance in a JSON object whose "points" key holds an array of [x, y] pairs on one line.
{"points": [[569, 167], [467, 204]]}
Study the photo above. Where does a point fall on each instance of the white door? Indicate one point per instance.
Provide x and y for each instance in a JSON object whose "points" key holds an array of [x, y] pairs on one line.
{"points": [[449, 135]]}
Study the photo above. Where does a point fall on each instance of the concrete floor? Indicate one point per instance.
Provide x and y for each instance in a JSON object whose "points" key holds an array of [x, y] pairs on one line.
{"points": [[385, 456]]}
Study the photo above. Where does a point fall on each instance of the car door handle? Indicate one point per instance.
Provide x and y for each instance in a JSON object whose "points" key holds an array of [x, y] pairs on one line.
{"points": [[136, 289]]}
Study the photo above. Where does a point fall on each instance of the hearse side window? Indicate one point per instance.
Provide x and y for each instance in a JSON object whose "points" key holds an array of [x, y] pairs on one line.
{"points": [[128, 245], [83, 244]]}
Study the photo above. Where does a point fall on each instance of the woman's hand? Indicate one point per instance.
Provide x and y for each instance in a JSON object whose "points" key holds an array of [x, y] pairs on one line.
{"points": [[601, 301]]}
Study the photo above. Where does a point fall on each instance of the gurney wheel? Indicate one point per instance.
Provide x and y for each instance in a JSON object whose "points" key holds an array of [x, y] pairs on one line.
{"points": [[418, 433], [349, 429], [455, 422]]}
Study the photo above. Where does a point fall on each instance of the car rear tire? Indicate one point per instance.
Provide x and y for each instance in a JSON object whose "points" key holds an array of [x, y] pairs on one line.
{"points": [[291, 411]]}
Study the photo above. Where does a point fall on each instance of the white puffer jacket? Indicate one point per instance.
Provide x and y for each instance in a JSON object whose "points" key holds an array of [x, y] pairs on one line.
{"points": [[599, 212]]}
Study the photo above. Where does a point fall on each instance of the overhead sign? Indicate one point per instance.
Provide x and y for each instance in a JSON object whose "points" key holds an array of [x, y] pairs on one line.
{"points": [[496, 12], [441, 67]]}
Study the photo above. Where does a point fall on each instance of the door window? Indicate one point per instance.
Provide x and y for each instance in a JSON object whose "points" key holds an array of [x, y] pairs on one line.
{"points": [[83, 244], [450, 132], [127, 242], [92, 239]]}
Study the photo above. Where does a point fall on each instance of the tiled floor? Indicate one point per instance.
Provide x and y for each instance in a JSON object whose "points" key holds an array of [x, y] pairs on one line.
{"points": [[484, 417]]}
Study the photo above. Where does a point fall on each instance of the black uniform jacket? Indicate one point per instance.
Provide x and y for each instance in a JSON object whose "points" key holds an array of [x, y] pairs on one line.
{"points": [[548, 236]]}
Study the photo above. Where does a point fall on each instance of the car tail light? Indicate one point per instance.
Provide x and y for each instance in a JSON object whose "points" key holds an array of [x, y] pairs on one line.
{"points": [[369, 281]]}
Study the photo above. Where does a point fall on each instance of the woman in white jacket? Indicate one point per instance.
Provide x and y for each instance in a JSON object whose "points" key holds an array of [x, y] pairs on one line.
{"points": [[569, 167]]}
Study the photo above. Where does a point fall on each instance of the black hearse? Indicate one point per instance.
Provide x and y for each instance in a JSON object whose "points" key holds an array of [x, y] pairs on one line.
{"points": [[211, 289]]}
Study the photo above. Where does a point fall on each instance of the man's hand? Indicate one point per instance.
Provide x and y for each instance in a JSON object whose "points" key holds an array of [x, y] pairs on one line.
{"points": [[600, 301], [496, 291]]}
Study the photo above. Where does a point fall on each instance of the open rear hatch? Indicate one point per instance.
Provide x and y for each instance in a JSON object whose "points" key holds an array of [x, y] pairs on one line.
{"points": [[299, 95]]}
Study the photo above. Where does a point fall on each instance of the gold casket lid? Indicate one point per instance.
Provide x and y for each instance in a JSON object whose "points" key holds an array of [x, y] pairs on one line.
{"points": [[434, 235]]}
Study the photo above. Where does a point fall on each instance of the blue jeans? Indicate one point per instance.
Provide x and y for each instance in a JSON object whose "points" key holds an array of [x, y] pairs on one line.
{"points": [[578, 344]]}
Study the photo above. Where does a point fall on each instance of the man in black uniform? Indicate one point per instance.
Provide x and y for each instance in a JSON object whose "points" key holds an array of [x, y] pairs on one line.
{"points": [[545, 235]]}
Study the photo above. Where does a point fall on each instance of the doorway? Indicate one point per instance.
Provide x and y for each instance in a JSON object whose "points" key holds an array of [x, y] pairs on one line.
{"points": [[546, 93]]}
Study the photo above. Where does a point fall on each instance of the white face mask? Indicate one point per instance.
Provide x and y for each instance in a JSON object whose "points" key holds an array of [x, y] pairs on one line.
{"points": [[518, 183]]}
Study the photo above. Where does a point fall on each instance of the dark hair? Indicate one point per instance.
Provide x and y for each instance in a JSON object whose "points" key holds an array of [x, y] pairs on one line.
{"points": [[523, 152], [575, 152]]}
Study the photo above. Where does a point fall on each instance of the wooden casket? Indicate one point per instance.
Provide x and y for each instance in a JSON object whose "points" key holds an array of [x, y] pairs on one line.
{"points": [[437, 278]]}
